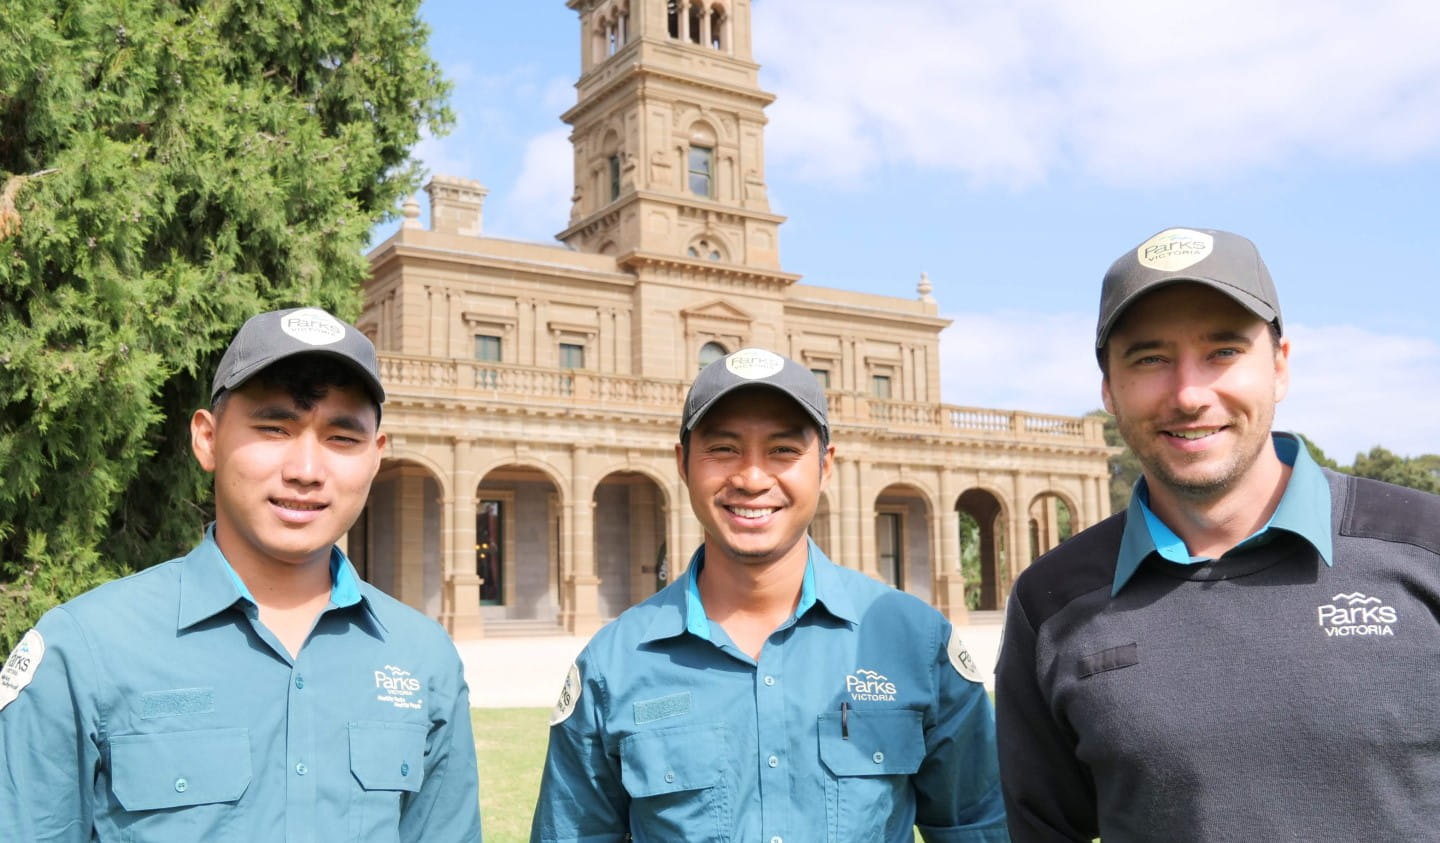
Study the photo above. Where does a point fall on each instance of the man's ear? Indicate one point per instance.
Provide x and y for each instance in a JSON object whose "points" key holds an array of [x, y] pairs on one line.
{"points": [[1105, 395], [202, 438], [680, 463], [1282, 369], [827, 466]]}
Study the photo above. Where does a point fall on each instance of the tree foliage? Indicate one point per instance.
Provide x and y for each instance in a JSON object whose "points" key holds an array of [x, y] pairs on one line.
{"points": [[168, 168]]}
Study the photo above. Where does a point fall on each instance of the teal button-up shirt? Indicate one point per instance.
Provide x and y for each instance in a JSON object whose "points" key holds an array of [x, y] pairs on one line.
{"points": [[855, 723], [162, 709], [1304, 510]]}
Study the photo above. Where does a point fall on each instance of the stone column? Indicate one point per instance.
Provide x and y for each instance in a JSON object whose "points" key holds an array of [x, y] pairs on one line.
{"points": [[949, 580], [848, 513], [461, 584], [582, 604], [865, 507]]}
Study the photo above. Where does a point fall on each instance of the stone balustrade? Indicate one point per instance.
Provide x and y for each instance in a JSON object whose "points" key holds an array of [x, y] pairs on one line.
{"points": [[413, 377]]}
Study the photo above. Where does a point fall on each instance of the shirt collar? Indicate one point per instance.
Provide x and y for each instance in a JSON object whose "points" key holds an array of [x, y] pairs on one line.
{"points": [[208, 585], [683, 611], [1304, 510]]}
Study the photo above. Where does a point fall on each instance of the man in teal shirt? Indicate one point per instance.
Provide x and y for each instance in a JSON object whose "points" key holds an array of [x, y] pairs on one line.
{"points": [[255, 689], [769, 694]]}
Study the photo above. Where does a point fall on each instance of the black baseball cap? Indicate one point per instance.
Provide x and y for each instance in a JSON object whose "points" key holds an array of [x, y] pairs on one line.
{"points": [[271, 337], [1225, 262], [755, 367]]}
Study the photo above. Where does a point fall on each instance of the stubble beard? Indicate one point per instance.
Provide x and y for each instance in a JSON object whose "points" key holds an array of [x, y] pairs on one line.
{"points": [[1206, 487]]}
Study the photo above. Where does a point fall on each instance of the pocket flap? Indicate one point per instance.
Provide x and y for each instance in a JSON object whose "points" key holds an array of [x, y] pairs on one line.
{"points": [[880, 742], [672, 760], [387, 756], [175, 769]]}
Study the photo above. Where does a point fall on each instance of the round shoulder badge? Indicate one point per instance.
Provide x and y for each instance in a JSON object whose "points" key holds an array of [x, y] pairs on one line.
{"points": [[754, 363], [20, 667], [569, 697], [313, 326], [960, 657]]}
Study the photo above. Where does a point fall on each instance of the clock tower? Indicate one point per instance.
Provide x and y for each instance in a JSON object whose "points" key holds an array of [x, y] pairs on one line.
{"points": [[668, 135]]}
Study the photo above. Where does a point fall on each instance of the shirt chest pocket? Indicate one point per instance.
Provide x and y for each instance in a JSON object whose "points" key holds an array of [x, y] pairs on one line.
{"points": [[679, 783], [387, 761], [180, 783], [870, 755]]}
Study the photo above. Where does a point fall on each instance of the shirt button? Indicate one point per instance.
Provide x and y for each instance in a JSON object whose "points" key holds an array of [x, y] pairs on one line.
{"points": [[299, 682], [773, 761], [670, 777], [404, 768], [181, 785], [769, 680], [878, 757], [301, 768]]}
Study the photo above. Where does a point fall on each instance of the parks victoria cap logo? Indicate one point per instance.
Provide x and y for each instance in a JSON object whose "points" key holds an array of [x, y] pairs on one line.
{"points": [[1175, 249], [313, 326], [754, 363]]}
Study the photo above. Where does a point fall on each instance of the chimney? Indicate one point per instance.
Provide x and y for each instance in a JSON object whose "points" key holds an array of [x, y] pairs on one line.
{"points": [[455, 205]]}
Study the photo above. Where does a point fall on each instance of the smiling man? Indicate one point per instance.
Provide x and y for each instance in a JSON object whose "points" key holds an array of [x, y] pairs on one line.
{"points": [[1248, 652], [769, 694], [255, 689]]}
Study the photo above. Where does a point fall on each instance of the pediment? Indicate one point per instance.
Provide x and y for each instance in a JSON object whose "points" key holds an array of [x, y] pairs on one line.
{"points": [[719, 309]]}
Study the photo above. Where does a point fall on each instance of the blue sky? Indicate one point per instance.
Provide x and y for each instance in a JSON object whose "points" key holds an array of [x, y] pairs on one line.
{"points": [[1011, 149]]}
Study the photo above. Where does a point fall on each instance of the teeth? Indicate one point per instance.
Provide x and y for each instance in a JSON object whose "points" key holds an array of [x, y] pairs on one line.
{"points": [[745, 512], [1194, 434], [304, 506]]}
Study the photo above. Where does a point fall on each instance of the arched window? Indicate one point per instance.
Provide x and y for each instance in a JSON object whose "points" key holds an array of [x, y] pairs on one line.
{"points": [[710, 352], [717, 28], [705, 249]]}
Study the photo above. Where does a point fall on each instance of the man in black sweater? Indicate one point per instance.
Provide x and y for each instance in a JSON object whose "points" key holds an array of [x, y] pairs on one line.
{"points": [[1250, 650]]}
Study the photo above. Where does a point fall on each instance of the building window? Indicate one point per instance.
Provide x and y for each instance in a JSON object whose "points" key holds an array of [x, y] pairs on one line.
{"points": [[672, 12], [823, 376], [572, 356], [888, 540], [705, 249], [489, 552], [614, 177], [702, 161], [880, 387], [717, 29], [696, 15], [710, 352], [487, 348]]}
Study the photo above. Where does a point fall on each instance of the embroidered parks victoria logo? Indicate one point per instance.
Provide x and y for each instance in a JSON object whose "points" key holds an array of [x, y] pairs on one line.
{"points": [[397, 687], [868, 686], [1356, 614]]}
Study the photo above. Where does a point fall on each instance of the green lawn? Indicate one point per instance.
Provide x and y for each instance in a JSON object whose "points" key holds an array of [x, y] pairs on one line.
{"points": [[510, 743]]}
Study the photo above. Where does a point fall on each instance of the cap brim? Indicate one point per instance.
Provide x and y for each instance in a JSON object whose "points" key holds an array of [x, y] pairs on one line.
{"points": [[700, 412], [240, 376], [1263, 311]]}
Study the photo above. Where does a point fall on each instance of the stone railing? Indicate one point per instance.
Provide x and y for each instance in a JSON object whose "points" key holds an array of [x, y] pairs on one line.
{"points": [[462, 379], [474, 379]]}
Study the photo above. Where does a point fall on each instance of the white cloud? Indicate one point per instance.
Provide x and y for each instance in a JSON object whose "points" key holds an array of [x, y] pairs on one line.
{"points": [[1138, 92], [1014, 360], [1350, 389], [539, 203]]}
